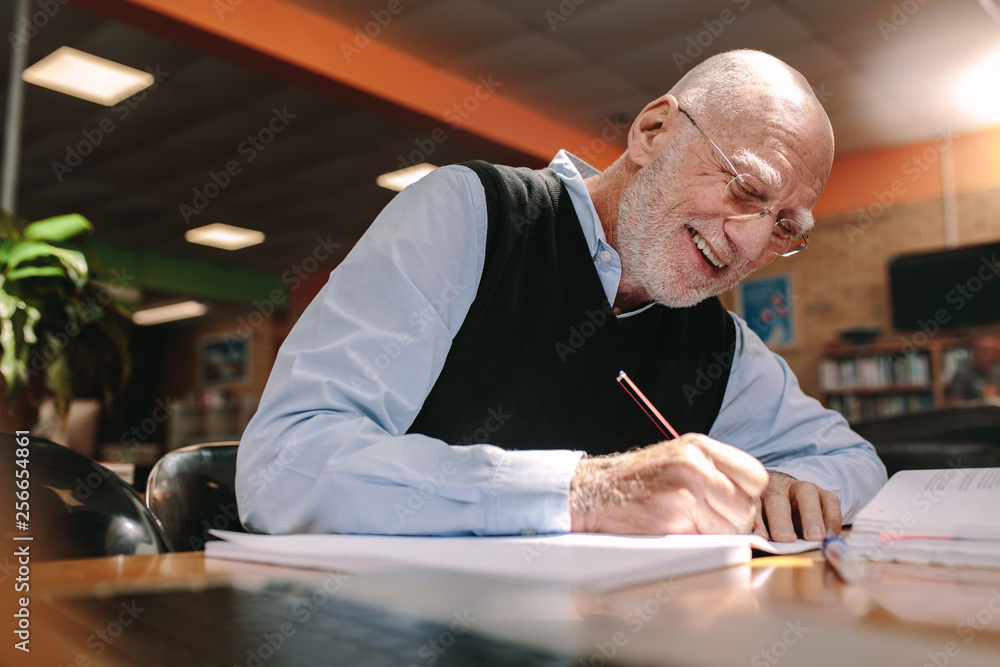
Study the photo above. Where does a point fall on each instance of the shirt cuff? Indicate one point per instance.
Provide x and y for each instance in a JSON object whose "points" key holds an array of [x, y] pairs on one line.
{"points": [[529, 493]]}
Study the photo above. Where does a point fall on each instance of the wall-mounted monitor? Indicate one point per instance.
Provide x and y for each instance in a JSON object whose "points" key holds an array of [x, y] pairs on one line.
{"points": [[945, 289]]}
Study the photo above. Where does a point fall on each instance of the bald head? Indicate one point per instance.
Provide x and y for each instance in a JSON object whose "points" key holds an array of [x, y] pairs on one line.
{"points": [[745, 88], [737, 85]]}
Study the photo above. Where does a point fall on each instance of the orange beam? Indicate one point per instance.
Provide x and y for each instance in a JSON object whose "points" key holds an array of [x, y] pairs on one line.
{"points": [[303, 47]]}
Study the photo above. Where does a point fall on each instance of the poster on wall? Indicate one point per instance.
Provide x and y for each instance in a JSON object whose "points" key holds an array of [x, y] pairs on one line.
{"points": [[766, 304], [224, 360]]}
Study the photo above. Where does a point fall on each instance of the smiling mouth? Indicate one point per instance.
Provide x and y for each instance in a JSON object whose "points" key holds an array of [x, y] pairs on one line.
{"points": [[706, 250]]}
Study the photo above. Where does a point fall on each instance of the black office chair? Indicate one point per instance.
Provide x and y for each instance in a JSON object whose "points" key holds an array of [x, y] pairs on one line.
{"points": [[193, 489], [73, 506]]}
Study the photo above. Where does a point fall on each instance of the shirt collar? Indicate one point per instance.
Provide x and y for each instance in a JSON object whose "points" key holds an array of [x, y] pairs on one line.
{"points": [[572, 170]]}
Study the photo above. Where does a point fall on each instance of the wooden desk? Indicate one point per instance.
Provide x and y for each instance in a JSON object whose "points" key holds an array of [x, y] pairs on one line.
{"points": [[790, 610]]}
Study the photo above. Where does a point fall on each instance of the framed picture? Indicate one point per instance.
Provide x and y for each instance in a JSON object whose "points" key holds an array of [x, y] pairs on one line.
{"points": [[767, 304], [224, 360]]}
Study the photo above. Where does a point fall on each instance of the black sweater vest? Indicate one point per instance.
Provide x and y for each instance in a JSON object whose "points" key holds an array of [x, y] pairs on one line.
{"points": [[535, 362]]}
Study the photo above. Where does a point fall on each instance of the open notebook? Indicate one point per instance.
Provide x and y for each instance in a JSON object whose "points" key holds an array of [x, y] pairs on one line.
{"points": [[596, 562]]}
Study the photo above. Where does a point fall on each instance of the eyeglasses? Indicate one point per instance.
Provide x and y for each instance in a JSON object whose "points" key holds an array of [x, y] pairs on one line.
{"points": [[744, 193]]}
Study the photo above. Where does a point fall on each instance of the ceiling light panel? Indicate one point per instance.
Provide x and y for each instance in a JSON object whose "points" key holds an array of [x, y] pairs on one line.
{"points": [[223, 236], [87, 76]]}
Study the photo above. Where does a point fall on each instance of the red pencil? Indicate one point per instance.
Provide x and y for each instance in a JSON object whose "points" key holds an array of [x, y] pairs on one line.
{"points": [[626, 382]]}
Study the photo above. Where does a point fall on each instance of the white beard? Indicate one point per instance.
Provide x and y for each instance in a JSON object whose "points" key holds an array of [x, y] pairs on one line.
{"points": [[649, 243]]}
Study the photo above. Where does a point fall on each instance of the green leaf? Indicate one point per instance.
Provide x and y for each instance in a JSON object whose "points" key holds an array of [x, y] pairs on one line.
{"points": [[13, 361], [59, 228], [58, 375], [26, 251], [36, 271], [74, 261]]}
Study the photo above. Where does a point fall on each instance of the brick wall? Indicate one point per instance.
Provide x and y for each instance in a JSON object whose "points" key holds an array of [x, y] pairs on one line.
{"points": [[841, 281]]}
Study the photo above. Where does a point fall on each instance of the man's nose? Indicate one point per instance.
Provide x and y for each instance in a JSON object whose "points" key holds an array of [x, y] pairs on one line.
{"points": [[751, 238]]}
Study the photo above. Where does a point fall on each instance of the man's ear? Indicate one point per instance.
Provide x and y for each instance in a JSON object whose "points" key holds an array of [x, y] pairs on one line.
{"points": [[656, 122]]}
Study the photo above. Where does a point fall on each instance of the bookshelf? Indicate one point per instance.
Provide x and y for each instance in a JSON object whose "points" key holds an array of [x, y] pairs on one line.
{"points": [[879, 379]]}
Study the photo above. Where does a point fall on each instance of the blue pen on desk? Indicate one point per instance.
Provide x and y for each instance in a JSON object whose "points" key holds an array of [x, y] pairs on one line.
{"points": [[848, 565]]}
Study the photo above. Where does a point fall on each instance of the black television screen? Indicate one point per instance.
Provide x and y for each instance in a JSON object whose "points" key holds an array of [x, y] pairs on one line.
{"points": [[950, 288]]}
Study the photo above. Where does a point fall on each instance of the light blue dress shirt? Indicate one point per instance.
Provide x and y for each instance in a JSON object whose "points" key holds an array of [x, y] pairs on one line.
{"points": [[327, 450]]}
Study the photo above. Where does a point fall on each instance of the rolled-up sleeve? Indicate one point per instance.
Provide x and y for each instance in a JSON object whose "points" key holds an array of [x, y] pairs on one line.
{"points": [[765, 413]]}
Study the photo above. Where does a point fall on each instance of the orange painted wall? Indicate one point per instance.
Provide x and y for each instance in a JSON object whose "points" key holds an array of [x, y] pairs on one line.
{"points": [[898, 175]]}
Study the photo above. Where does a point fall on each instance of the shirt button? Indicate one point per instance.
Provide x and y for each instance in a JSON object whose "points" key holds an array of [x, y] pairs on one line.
{"points": [[605, 256]]}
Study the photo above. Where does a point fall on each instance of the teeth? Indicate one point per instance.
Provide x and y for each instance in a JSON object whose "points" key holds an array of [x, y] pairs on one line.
{"points": [[705, 250]]}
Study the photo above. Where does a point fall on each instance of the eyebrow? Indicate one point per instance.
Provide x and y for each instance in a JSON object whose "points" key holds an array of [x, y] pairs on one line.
{"points": [[757, 166]]}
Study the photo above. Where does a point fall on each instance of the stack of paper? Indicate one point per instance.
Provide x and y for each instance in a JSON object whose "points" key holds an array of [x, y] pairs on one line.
{"points": [[942, 517], [598, 562]]}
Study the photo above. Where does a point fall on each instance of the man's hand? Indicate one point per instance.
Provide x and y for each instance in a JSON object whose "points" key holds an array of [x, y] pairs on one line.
{"points": [[693, 484], [787, 502]]}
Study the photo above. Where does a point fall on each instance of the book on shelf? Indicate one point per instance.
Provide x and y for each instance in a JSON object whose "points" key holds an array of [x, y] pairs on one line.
{"points": [[883, 371]]}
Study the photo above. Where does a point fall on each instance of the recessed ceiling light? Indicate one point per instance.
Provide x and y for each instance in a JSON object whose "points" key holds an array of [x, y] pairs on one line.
{"points": [[169, 313], [977, 90], [223, 236], [397, 180], [87, 76]]}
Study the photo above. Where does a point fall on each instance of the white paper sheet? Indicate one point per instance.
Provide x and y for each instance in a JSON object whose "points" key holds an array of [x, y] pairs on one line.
{"points": [[598, 562]]}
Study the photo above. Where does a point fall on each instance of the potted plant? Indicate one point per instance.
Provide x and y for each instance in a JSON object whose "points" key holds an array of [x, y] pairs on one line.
{"points": [[61, 330]]}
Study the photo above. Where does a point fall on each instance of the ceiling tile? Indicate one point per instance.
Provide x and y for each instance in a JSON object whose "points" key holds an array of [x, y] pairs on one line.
{"points": [[448, 30], [518, 61], [618, 27]]}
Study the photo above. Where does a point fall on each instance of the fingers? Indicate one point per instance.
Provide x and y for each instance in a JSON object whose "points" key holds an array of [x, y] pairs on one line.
{"points": [[745, 471], [778, 510], [721, 505], [833, 517], [818, 510], [810, 510]]}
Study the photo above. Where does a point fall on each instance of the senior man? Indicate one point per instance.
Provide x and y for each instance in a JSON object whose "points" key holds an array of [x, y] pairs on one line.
{"points": [[457, 373]]}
